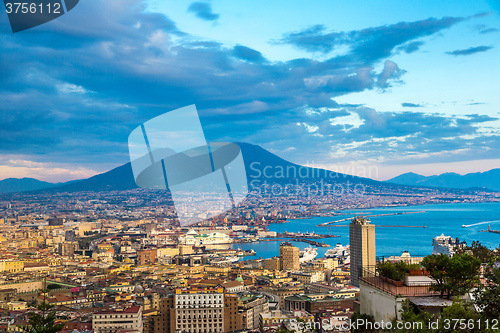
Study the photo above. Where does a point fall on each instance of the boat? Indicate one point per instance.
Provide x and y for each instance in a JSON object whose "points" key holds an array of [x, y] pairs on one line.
{"points": [[213, 238], [308, 254], [338, 251], [224, 261]]}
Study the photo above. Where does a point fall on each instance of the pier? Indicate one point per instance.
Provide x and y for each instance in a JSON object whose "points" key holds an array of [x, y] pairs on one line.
{"points": [[491, 230], [384, 226], [328, 224]]}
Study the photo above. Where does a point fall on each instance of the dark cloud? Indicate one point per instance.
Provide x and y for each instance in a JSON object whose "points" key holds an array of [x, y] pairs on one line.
{"points": [[368, 44], [72, 90], [488, 30], [470, 50], [411, 105], [247, 53], [411, 47], [203, 10]]}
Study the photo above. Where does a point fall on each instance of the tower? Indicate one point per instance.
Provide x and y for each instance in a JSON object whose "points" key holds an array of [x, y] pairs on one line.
{"points": [[362, 243], [289, 257]]}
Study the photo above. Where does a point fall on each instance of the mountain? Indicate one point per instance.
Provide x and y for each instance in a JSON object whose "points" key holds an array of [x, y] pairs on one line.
{"points": [[488, 180], [260, 165], [23, 184], [255, 159]]}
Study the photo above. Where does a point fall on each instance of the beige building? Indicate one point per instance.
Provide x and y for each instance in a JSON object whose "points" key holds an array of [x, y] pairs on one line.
{"points": [[272, 264], [362, 242], [289, 257], [111, 321], [309, 277], [198, 310]]}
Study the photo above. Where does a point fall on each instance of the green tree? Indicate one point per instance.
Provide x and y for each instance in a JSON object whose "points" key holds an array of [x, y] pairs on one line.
{"points": [[436, 265], [463, 274], [487, 297], [44, 321], [478, 250], [453, 276]]}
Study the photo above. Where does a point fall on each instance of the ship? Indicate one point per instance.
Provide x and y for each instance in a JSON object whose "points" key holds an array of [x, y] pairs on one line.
{"points": [[224, 261], [444, 245], [213, 238], [337, 251], [308, 254]]}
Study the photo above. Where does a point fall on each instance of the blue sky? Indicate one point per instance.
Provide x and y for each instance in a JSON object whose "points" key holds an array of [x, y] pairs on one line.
{"points": [[373, 88]]}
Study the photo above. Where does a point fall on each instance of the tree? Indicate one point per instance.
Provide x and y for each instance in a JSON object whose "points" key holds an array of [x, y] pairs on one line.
{"points": [[463, 274], [478, 250], [395, 270], [453, 276], [436, 265], [43, 321], [487, 297]]}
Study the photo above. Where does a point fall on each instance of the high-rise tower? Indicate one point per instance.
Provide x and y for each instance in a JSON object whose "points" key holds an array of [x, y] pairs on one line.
{"points": [[362, 243], [289, 257]]}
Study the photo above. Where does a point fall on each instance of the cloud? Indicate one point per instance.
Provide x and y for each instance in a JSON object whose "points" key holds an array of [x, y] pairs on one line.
{"points": [[411, 47], [203, 10], [488, 30], [247, 53], [470, 50], [371, 43], [83, 87], [390, 71], [411, 105]]}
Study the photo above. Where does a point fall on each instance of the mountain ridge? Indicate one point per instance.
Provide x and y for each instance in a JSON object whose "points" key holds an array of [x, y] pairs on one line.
{"points": [[486, 180], [121, 178]]}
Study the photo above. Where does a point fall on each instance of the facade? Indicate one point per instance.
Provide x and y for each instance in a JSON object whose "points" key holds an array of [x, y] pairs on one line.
{"points": [[315, 305], [112, 321], [251, 308], [67, 249], [198, 310], [11, 266], [146, 257], [362, 245], [289, 257], [272, 264]]}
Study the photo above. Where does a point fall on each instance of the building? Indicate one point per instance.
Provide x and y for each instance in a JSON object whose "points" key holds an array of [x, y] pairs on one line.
{"points": [[251, 306], [272, 264], [198, 310], [56, 221], [146, 257], [11, 266], [362, 244], [309, 277], [67, 248], [406, 258], [112, 321], [289, 257], [384, 299], [314, 304], [276, 320]]}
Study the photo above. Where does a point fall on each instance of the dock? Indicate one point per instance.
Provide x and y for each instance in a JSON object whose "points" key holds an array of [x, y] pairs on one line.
{"points": [[384, 226], [328, 224]]}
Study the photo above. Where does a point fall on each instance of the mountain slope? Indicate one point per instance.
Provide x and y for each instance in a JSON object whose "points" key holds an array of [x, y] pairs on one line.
{"points": [[488, 180], [255, 159], [23, 184]]}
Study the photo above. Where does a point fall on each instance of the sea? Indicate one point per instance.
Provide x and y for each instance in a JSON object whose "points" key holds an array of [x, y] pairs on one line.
{"points": [[438, 219]]}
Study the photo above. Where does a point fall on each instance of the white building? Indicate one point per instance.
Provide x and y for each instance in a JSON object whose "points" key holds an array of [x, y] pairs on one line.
{"points": [[112, 321]]}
